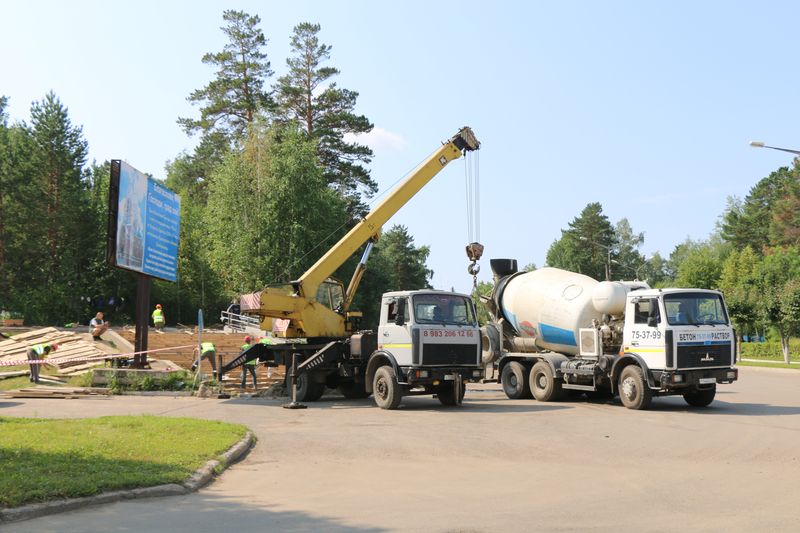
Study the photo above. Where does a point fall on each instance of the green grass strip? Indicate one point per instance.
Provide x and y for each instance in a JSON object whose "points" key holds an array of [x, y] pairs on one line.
{"points": [[43, 459], [794, 366]]}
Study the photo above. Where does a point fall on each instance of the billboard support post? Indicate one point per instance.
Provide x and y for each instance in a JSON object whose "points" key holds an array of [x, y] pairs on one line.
{"points": [[143, 286], [143, 237]]}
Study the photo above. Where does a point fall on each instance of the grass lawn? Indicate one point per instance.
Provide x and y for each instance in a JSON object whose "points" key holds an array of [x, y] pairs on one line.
{"points": [[768, 365], [43, 459]]}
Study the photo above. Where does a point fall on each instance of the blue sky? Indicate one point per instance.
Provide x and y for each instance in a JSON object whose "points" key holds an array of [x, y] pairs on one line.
{"points": [[645, 107]]}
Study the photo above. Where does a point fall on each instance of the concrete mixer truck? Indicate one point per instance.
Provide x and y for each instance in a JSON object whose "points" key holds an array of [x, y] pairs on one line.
{"points": [[554, 331]]}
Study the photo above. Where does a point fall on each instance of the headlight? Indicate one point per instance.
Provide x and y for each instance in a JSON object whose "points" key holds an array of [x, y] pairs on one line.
{"points": [[677, 378], [732, 374], [476, 373]]}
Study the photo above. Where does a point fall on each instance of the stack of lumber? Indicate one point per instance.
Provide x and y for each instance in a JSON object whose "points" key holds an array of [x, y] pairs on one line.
{"points": [[71, 348], [56, 392], [228, 345]]}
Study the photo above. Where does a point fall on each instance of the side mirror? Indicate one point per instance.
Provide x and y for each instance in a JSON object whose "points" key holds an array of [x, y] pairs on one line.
{"points": [[401, 312]]}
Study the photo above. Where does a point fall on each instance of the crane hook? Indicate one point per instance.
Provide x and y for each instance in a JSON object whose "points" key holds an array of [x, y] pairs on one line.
{"points": [[474, 253]]}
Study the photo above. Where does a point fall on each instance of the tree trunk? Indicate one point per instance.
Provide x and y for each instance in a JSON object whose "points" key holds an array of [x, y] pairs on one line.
{"points": [[785, 348]]}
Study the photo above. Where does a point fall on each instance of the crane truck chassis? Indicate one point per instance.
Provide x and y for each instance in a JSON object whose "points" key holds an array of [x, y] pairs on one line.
{"points": [[555, 331], [428, 342]]}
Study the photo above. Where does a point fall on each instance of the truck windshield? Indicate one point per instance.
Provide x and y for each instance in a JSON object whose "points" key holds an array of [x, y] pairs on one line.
{"points": [[443, 309], [695, 309]]}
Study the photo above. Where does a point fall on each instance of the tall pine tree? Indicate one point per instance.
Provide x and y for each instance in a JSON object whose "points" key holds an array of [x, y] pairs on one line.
{"points": [[233, 99], [325, 112]]}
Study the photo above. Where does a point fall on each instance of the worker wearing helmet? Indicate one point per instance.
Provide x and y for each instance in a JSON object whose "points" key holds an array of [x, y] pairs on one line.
{"points": [[39, 352], [158, 318], [207, 350], [249, 366]]}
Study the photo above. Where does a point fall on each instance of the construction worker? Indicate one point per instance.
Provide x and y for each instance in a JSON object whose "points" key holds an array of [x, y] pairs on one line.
{"points": [[249, 366], [158, 318], [99, 326], [39, 351], [208, 351]]}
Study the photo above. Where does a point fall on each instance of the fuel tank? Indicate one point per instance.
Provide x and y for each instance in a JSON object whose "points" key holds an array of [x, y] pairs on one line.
{"points": [[547, 307]]}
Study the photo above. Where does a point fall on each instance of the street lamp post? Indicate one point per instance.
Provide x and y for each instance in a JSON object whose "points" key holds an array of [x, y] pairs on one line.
{"points": [[760, 144], [608, 255]]}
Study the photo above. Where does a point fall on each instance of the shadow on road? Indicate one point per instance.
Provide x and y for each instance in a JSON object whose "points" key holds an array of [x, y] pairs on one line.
{"points": [[196, 513], [726, 408], [419, 404], [9, 404]]}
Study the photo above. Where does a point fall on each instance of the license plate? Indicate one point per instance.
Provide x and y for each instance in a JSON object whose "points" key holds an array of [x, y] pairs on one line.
{"points": [[707, 381]]}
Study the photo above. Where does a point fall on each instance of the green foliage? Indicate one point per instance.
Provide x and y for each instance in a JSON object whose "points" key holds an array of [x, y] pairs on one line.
{"points": [[49, 459], [698, 264], [484, 288], [587, 246], [740, 284], [396, 264], [307, 97], [628, 260], [770, 350], [778, 275], [768, 215], [269, 214]]}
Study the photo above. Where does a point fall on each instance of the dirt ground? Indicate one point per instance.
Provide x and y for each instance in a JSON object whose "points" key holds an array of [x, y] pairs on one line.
{"points": [[491, 465]]}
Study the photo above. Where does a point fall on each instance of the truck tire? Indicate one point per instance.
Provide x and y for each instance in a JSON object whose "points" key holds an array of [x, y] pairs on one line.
{"points": [[353, 391], [633, 389], [385, 388], [700, 397], [446, 393], [515, 381], [307, 389], [543, 383]]}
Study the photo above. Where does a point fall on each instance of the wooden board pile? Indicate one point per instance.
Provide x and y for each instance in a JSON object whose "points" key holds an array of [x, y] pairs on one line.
{"points": [[56, 392], [71, 351]]}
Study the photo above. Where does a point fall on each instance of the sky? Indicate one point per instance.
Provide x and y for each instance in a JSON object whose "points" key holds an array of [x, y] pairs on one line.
{"points": [[645, 107]]}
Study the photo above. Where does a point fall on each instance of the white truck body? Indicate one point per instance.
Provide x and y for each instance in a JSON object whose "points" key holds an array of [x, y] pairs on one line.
{"points": [[555, 330]]}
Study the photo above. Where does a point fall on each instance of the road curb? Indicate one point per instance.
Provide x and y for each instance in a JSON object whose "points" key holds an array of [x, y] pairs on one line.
{"points": [[199, 479]]}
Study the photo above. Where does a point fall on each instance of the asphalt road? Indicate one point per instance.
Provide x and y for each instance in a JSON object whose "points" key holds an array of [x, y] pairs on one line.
{"points": [[491, 465]]}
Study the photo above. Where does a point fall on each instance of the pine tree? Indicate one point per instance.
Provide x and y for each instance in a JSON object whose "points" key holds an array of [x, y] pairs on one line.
{"points": [[56, 241], [325, 112], [236, 96], [588, 246]]}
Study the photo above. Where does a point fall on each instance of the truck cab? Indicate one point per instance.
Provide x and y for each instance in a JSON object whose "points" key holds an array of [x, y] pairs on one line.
{"points": [[684, 340], [428, 342]]}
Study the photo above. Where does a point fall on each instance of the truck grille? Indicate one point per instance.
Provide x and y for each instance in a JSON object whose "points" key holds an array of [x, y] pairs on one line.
{"points": [[699, 355], [450, 354]]}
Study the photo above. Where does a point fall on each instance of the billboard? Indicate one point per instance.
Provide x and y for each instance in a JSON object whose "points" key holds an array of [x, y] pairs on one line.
{"points": [[143, 223]]}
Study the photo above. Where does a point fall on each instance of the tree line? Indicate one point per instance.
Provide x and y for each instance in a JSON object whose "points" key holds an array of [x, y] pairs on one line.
{"points": [[752, 256], [275, 179]]}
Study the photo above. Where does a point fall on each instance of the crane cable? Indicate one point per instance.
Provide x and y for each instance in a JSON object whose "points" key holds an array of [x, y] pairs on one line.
{"points": [[472, 187]]}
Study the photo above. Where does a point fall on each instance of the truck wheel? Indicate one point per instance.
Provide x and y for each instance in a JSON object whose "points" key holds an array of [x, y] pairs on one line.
{"points": [[353, 391], [633, 389], [385, 388], [515, 381], [307, 390], [446, 393], [544, 385], [700, 397]]}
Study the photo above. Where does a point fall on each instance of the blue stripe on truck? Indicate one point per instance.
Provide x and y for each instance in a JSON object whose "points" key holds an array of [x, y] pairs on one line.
{"points": [[557, 335]]}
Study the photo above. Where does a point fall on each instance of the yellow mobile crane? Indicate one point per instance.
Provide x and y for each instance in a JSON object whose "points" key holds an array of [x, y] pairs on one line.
{"points": [[317, 307]]}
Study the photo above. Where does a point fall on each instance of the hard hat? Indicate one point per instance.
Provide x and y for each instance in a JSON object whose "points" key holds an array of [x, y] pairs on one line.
{"points": [[248, 338], [158, 306], [54, 347]]}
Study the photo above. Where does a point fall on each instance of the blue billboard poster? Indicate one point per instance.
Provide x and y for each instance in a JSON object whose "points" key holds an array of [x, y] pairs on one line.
{"points": [[144, 223]]}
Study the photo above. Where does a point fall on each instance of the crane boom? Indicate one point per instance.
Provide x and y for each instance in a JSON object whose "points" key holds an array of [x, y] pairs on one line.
{"points": [[311, 318]]}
